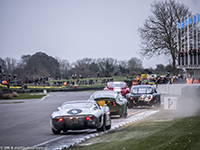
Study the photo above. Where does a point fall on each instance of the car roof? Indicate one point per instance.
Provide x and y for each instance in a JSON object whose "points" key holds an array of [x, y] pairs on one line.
{"points": [[80, 101], [107, 94], [142, 86], [116, 82]]}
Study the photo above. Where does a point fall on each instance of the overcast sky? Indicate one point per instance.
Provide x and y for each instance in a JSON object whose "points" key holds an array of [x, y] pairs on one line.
{"points": [[75, 29]]}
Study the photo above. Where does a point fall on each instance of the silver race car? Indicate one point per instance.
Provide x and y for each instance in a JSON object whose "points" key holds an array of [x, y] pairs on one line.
{"points": [[78, 115]]}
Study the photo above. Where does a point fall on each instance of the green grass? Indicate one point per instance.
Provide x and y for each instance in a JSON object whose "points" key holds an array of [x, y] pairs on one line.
{"points": [[28, 96], [158, 132], [11, 102]]}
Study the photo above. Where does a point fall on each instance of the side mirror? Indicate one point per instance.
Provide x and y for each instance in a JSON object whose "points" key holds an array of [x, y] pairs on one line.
{"points": [[59, 108]]}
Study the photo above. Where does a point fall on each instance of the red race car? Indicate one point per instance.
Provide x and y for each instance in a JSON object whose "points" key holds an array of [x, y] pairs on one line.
{"points": [[118, 87]]}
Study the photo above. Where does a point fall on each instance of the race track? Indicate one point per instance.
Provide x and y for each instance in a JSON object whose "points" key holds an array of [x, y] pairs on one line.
{"points": [[26, 125]]}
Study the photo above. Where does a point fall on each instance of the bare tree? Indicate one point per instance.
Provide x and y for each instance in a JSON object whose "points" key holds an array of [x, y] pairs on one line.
{"points": [[123, 67], [24, 60], [158, 35], [2, 67], [85, 67], [168, 68], [107, 66], [64, 67], [160, 68], [11, 64], [135, 65]]}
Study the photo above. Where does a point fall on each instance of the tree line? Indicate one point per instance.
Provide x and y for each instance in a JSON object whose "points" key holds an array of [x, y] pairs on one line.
{"points": [[40, 65]]}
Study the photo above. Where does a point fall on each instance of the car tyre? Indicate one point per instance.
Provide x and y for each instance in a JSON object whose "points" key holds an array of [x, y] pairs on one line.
{"points": [[65, 131], [103, 127], [56, 131], [130, 105], [125, 114], [108, 127], [157, 104]]}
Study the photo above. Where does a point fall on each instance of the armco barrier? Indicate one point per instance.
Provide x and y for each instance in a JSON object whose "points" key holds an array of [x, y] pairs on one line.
{"points": [[173, 89]]}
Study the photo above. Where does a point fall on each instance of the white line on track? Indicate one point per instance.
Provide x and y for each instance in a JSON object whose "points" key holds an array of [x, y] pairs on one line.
{"points": [[38, 145], [43, 98]]}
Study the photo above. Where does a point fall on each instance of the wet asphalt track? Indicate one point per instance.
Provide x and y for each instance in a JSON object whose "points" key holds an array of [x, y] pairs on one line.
{"points": [[23, 125]]}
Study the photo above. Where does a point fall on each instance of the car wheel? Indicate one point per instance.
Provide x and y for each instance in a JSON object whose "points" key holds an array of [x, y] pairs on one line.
{"points": [[103, 127], [65, 130], [108, 127], [157, 104], [124, 115], [56, 131], [130, 105]]}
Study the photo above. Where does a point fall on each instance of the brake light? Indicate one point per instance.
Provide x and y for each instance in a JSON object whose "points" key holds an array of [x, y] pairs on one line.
{"points": [[131, 98], [88, 118], [114, 104], [60, 119], [152, 98]]}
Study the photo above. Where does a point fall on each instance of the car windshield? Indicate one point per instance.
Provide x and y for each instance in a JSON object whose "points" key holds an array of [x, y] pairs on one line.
{"points": [[113, 85], [77, 105], [105, 95], [142, 90]]}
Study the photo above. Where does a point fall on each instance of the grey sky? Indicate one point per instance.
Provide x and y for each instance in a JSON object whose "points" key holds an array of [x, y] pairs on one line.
{"points": [[75, 29]]}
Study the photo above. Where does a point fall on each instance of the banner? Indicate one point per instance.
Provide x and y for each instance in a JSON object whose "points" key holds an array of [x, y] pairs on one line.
{"points": [[185, 22], [182, 24], [198, 17], [194, 19], [144, 76], [188, 21], [178, 25]]}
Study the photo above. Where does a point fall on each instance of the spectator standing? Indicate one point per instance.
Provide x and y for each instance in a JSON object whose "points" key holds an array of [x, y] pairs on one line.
{"points": [[196, 81], [180, 78], [189, 79]]}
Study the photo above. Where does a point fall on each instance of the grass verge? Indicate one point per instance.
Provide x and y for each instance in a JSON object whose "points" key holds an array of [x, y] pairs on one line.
{"points": [[11, 102], [163, 130], [28, 96]]}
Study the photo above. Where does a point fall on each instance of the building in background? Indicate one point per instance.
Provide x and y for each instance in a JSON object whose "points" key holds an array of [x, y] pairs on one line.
{"points": [[188, 44]]}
